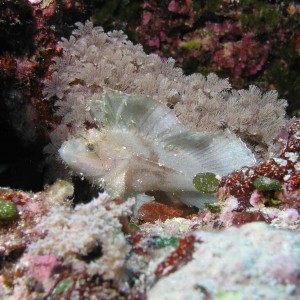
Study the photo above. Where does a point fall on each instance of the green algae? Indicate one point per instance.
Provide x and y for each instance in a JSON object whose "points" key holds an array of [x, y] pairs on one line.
{"points": [[134, 227], [61, 287], [192, 45], [274, 202], [212, 207], [8, 210], [267, 184], [206, 182], [163, 242], [228, 295]]}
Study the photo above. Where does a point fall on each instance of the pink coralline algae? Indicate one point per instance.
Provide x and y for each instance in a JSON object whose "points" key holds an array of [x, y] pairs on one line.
{"points": [[16, 234], [156, 30], [245, 57], [251, 42], [231, 50], [42, 267], [25, 59], [171, 30], [180, 256], [273, 183], [28, 71]]}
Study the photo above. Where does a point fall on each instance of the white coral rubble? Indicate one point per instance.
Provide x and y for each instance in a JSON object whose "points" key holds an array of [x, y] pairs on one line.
{"points": [[255, 261], [71, 233]]}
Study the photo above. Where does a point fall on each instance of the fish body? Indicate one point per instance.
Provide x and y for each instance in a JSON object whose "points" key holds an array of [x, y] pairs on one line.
{"points": [[141, 146]]}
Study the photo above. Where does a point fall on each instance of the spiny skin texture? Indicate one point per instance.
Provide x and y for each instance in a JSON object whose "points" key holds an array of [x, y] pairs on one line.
{"points": [[143, 147]]}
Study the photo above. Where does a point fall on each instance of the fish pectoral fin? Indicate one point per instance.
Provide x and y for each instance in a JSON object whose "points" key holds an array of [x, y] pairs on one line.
{"points": [[138, 175], [193, 198], [146, 175], [135, 112], [219, 153]]}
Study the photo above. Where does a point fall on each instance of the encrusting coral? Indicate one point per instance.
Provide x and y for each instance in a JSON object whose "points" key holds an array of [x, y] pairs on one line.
{"points": [[93, 60], [53, 244], [20, 212], [253, 260], [76, 253], [271, 188], [87, 227]]}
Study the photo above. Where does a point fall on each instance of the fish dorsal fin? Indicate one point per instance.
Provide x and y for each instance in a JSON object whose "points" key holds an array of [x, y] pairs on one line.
{"points": [[135, 112], [219, 153], [197, 152]]}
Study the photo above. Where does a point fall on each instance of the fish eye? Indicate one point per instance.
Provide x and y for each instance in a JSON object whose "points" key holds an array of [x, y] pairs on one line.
{"points": [[91, 147]]}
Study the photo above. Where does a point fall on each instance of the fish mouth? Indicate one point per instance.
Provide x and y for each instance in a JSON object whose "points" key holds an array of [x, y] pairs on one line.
{"points": [[75, 154], [70, 151]]}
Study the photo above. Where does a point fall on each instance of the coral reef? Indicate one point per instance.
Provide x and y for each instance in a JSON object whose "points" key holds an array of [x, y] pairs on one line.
{"points": [[19, 229], [93, 250], [152, 211], [257, 39], [251, 42], [28, 39], [24, 65], [58, 250], [101, 232], [93, 60], [107, 247], [271, 187], [250, 262]]}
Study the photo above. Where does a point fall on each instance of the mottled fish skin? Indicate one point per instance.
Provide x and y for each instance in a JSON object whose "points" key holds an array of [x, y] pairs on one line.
{"points": [[142, 147]]}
